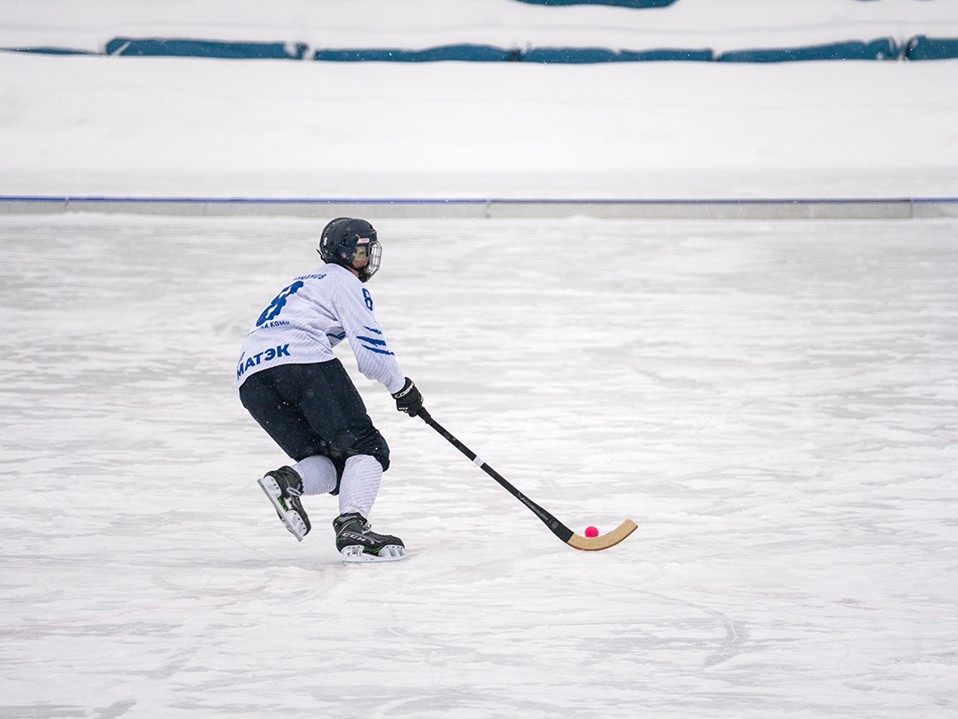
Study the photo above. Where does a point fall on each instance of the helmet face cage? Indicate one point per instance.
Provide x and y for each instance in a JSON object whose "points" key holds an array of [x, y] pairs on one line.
{"points": [[375, 251], [367, 248], [346, 240]]}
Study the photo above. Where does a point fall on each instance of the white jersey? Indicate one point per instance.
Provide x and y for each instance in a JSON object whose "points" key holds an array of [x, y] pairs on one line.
{"points": [[307, 319]]}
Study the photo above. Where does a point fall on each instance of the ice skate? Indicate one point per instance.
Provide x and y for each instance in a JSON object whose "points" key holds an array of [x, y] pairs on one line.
{"points": [[358, 543], [284, 486]]}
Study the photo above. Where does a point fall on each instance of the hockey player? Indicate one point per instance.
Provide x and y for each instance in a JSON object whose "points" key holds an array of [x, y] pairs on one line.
{"points": [[291, 383]]}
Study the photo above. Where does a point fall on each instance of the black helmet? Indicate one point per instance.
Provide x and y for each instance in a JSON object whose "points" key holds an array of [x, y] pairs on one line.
{"points": [[346, 240]]}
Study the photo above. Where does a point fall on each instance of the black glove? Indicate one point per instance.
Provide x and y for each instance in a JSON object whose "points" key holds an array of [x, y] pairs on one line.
{"points": [[408, 399]]}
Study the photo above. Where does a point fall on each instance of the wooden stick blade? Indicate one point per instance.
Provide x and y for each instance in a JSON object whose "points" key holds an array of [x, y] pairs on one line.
{"points": [[604, 541]]}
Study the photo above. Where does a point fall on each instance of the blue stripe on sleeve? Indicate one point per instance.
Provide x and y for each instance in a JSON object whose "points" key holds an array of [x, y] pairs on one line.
{"points": [[372, 340]]}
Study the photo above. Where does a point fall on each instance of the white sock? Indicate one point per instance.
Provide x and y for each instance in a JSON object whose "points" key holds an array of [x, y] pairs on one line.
{"points": [[318, 473], [360, 484]]}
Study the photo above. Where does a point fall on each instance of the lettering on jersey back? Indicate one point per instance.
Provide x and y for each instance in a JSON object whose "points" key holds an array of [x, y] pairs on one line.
{"points": [[248, 363]]}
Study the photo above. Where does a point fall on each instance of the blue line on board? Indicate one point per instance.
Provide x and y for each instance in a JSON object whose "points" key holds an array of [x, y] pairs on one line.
{"points": [[477, 201], [245, 200]]}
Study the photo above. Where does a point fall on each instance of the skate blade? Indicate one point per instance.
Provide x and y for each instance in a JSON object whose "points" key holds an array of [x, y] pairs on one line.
{"points": [[389, 553], [291, 520]]}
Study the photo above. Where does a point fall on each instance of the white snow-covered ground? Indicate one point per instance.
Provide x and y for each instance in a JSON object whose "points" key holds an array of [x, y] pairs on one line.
{"points": [[127, 126], [229, 128], [774, 403]]}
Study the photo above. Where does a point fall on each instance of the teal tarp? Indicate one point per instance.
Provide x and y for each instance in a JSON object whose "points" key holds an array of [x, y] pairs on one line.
{"points": [[617, 3], [205, 48], [881, 49], [920, 47], [462, 53], [594, 54], [931, 48]]}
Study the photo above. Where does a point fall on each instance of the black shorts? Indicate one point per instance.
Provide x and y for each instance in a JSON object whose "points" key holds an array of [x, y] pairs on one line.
{"points": [[311, 409]]}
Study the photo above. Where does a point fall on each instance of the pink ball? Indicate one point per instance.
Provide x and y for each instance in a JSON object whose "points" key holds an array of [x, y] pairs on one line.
{"points": [[591, 532]]}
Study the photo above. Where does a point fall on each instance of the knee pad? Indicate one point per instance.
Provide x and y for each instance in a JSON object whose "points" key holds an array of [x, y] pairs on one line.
{"points": [[369, 442]]}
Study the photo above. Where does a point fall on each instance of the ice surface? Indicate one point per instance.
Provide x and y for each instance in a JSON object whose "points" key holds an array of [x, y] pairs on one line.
{"points": [[774, 403]]}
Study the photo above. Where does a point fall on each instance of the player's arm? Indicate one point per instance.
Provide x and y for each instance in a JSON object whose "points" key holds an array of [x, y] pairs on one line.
{"points": [[374, 356]]}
